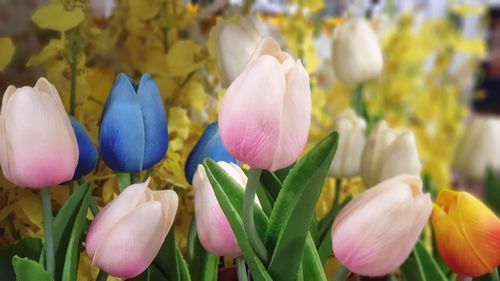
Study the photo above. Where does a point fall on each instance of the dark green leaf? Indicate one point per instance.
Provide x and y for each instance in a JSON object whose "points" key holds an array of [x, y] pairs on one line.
{"points": [[204, 265], [70, 269], [295, 207], [265, 199], [29, 270], [166, 259], [411, 270], [428, 269], [183, 268], [312, 266], [492, 191], [191, 239], [271, 183], [230, 197], [25, 248], [325, 247], [326, 222]]}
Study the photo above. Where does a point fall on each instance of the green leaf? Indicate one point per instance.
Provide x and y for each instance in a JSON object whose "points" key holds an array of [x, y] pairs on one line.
{"points": [[123, 180], [411, 270], [265, 199], [230, 197], [324, 225], [70, 270], [325, 246], [183, 267], [312, 267], [271, 183], [167, 258], [25, 248], [295, 207], [204, 265], [492, 190], [422, 266], [29, 270]]}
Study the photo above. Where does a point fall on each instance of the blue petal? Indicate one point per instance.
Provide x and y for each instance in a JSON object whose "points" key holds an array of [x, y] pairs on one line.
{"points": [[155, 121], [121, 135], [208, 146], [87, 159]]}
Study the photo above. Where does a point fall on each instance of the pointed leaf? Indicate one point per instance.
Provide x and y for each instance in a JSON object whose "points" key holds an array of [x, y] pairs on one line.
{"points": [[29, 270]]}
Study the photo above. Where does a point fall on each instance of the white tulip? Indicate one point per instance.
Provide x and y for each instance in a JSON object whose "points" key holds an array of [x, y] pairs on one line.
{"points": [[357, 57], [479, 147], [388, 153], [351, 129]]}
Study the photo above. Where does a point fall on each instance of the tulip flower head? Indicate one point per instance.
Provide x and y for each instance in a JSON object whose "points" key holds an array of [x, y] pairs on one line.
{"points": [[347, 160], [388, 153], [127, 234], [467, 233], [212, 226], [133, 135], [375, 232], [208, 146], [478, 148], [87, 159], [357, 57], [38, 147], [265, 114]]}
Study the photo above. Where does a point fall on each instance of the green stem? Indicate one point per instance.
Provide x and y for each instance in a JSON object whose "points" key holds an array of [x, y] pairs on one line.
{"points": [[102, 276], [338, 190], [248, 219], [47, 228], [494, 275], [341, 274], [241, 269], [93, 206], [135, 177], [73, 66]]}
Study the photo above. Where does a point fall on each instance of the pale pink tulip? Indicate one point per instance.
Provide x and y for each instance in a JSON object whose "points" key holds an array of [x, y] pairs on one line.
{"points": [[264, 116], [375, 232], [212, 226], [103, 8], [38, 147], [127, 234]]}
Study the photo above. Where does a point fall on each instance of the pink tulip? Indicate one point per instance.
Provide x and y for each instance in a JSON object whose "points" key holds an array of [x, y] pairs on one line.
{"points": [[375, 232], [212, 226], [127, 234], [38, 147], [264, 116]]}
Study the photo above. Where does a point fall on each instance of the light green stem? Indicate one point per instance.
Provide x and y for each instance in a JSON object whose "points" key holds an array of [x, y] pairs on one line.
{"points": [[241, 269], [102, 276], [248, 218], [341, 274], [47, 228], [494, 275]]}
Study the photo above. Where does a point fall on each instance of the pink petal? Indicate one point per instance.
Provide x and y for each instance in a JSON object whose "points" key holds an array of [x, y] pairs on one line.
{"points": [[4, 157], [112, 213], [169, 202], [250, 113], [133, 242]]}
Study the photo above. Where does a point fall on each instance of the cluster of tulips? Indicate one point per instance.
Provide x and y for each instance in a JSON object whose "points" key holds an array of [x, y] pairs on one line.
{"points": [[263, 121]]}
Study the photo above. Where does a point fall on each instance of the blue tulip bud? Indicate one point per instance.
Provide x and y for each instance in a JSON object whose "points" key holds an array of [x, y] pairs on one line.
{"points": [[133, 135], [208, 146], [87, 157]]}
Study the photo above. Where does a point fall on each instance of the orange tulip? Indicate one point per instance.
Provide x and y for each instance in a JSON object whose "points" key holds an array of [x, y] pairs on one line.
{"points": [[467, 233]]}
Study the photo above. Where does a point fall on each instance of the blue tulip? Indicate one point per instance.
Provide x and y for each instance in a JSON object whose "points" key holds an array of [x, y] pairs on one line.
{"points": [[133, 135], [87, 157], [209, 146]]}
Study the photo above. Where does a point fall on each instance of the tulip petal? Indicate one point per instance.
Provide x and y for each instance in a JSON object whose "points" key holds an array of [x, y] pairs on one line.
{"points": [[52, 157], [118, 208], [122, 120], [266, 46], [155, 122], [213, 228], [403, 147], [3, 142], [87, 159], [250, 113], [295, 118], [169, 203], [208, 146], [133, 242]]}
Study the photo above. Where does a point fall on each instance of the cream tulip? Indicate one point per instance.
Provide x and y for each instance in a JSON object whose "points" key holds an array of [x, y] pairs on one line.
{"points": [[388, 153], [479, 147], [38, 146], [351, 129], [374, 234], [127, 234], [357, 57]]}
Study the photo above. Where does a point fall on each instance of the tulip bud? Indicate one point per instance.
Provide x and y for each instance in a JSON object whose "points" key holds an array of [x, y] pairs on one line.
{"points": [[467, 233], [133, 135], [351, 129], [265, 114], [38, 147], [388, 153], [478, 148], [102, 8], [212, 226], [87, 158], [235, 43], [208, 146], [375, 232], [357, 57], [127, 234]]}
